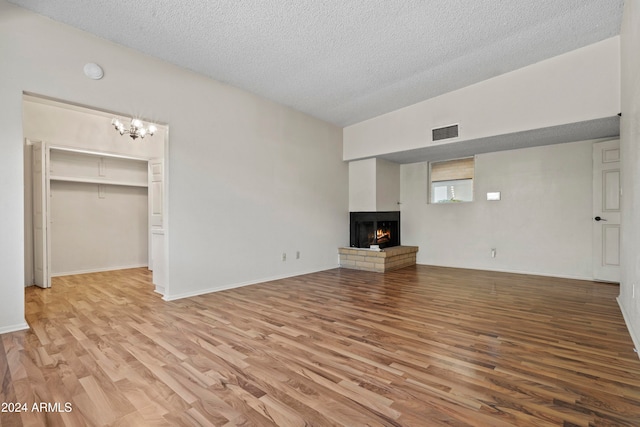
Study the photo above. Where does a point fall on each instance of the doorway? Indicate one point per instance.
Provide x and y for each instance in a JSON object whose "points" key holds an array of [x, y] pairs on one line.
{"points": [[99, 188]]}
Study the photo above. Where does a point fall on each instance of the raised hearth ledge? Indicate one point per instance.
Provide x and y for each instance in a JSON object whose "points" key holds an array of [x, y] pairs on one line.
{"points": [[379, 261]]}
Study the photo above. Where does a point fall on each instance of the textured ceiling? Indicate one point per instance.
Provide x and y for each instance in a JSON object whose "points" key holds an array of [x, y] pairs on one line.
{"points": [[344, 61]]}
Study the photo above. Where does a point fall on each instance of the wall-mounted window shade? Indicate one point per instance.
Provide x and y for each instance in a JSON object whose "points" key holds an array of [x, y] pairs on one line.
{"points": [[452, 181], [452, 169]]}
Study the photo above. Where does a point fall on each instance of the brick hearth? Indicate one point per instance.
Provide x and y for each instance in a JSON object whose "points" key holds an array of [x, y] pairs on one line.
{"points": [[378, 261]]}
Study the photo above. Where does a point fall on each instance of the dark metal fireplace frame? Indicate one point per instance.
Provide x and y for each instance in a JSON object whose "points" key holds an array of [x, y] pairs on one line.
{"points": [[375, 217]]}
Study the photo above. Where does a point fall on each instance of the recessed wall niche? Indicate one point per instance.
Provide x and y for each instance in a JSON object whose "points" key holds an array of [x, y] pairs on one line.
{"points": [[99, 214]]}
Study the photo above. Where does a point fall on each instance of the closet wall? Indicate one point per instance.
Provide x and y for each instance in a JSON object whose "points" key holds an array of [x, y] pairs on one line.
{"points": [[94, 226]]}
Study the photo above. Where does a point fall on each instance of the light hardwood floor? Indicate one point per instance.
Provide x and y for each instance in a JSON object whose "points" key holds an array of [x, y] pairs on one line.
{"points": [[421, 346]]}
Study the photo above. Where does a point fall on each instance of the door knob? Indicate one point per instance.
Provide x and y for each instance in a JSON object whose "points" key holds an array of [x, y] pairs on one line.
{"points": [[599, 218]]}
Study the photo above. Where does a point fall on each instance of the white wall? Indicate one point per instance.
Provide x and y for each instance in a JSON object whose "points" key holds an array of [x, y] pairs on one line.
{"points": [[246, 176], [541, 225], [362, 185], [630, 149], [387, 185], [577, 86], [374, 185], [89, 233]]}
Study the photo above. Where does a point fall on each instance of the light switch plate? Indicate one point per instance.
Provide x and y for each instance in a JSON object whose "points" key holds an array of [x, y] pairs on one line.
{"points": [[493, 195]]}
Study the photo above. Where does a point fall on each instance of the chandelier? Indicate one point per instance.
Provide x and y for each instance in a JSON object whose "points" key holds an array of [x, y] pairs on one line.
{"points": [[135, 130]]}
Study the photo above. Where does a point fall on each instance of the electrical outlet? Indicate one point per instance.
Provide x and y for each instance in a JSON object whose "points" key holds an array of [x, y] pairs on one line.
{"points": [[493, 252], [633, 290], [297, 254], [284, 256]]}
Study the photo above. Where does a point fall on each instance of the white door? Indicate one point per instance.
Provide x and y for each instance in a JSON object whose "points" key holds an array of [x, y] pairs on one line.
{"points": [[606, 211], [40, 215], [156, 174], [156, 203]]}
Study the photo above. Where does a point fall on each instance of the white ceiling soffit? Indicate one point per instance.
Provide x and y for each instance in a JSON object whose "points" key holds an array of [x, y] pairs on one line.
{"points": [[345, 61], [608, 127]]}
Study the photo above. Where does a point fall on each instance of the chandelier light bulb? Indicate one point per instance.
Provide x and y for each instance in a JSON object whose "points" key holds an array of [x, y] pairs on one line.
{"points": [[135, 130]]}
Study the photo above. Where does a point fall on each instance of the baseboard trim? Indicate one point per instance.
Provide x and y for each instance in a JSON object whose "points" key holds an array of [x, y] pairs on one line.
{"points": [[241, 284], [98, 270], [627, 320], [528, 273], [14, 328]]}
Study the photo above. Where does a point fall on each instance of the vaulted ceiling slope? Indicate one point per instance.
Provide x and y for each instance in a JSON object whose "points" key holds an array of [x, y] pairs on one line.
{"points": [[344, 61]]}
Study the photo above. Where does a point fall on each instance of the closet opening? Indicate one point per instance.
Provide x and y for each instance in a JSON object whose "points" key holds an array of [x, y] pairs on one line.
{"points": [[95, 200]]}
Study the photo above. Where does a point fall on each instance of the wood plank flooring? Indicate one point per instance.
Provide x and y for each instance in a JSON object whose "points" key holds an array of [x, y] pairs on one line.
{"points": [[421, 346]]}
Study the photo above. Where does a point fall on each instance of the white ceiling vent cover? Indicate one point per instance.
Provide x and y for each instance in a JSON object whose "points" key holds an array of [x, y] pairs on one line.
{"points": [[446, 132]]}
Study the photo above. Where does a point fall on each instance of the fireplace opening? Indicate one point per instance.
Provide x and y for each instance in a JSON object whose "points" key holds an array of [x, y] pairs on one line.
{"points": [[375, 228]]}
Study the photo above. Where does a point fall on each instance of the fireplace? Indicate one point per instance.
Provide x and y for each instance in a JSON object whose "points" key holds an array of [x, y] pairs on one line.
{"points": [[375, 228]]}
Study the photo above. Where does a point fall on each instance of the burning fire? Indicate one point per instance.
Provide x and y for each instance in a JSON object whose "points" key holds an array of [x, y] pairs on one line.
{"points": [[383, 235]]}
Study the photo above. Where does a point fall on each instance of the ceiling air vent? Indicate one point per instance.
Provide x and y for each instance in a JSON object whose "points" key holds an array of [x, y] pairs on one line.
{"points": [[446, 132]]}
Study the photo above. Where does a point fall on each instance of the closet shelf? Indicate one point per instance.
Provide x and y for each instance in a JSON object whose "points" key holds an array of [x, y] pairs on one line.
{"points": [[96, 181]]}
